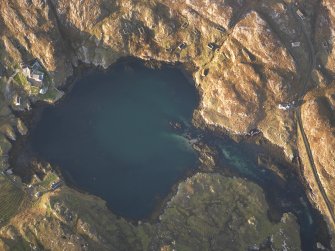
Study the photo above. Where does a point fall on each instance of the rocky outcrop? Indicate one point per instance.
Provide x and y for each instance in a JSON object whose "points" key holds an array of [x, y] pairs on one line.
{"points": [[248, 69], [238, 52], [208, 212], [29, 30], [325, 35], [318, 115]]}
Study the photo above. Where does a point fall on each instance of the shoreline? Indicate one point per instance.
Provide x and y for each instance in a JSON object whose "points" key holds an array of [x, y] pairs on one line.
{"points": [[31, 118]]}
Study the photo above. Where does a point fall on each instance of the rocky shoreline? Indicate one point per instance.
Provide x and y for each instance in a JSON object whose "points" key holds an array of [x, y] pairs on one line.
{"points": [[241, 82], [207, 167]]}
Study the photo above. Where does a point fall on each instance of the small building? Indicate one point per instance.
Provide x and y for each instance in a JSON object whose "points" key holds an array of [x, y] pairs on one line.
{"points": [[141, 30], [295, 44], [26, 71], [300, 14], [205, 72], [325, 44], [182, 46], [38, 194], [28, 107], [36, 78], [284, 107], [287, 106], [36, 65], [196, 33], [221, 29], [37, 178], [254, 132], [184, 25], [38, 75], [34, 73], [212, 46], [17, 101], [55, 185], [43, 90], [9, 171]]}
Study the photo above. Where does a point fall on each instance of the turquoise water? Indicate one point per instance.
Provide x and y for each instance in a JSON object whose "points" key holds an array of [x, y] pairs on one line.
{"points": [[288, 196], [112, 136]]}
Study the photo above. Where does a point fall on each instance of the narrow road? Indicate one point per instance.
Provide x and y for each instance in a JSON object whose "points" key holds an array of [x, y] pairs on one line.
{"points": [[313, 167], [304, 82]]}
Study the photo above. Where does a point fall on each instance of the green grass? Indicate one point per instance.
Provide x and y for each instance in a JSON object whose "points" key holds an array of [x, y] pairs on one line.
{"points": [[51, 177], [52, 95], [21, 80], [11, 199], [5, 145]]}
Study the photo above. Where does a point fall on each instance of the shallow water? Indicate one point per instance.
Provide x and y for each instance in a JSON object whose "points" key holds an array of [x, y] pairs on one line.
{"points": [[288, 196], [112, 135]]}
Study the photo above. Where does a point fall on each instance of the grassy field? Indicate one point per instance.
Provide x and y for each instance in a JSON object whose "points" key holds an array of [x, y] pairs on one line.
{"points": [[11, 199], [51, 96]]}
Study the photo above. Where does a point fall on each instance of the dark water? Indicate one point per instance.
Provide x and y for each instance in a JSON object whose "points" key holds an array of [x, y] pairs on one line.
{"points": [[282, 196], [112, 135]]}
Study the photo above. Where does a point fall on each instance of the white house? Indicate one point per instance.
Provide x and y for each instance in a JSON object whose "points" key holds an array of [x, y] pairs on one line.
{"points": [[34, 73], [9, 171], [26, 71], [43, 90], [17, 100], [300, 14], [295, 44], [284, 107], [287, 106]]}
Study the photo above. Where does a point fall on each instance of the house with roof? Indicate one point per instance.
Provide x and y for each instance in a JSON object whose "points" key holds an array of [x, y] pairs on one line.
{"points": [[300, 14], [17, 100], [34, 73], [295, 44]]}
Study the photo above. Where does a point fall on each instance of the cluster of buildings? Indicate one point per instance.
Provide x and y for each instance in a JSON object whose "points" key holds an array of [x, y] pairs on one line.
{"points": [[35, 75], [34, 72], [38, 191]]}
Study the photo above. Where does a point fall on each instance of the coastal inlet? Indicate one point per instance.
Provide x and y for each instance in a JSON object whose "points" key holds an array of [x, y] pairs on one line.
{"points": [[118, 135]]}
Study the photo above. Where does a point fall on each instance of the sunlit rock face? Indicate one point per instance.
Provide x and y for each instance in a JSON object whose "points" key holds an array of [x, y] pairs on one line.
{"points": [[252, 73], [26, 28], [318, 115], [252, 69], [211, 8], [255, 34], [325, 35]]}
